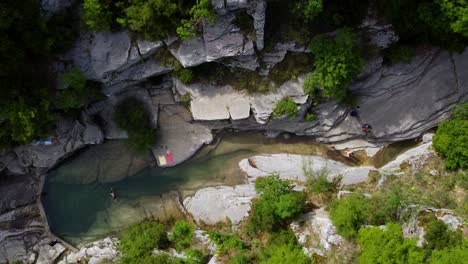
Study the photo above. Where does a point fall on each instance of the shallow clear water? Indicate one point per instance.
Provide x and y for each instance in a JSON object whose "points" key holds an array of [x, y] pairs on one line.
{"points": [[77, 193]]}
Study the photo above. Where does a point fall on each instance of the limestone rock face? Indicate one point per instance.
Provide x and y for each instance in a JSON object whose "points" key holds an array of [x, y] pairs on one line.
{"points": [[224, 202], [400, 101], [94, 253], [210, 102], [294, 167], [316, 224], [112, 58], [223, 40]]}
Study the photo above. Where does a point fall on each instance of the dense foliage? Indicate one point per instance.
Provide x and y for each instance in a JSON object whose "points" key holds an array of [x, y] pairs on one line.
{"points": [[154, 19], [285, 106], [283, 248], [337, 63], [226, 242], [138, 242], [181, 235], [387, 246], [451, 139], [349, 214], [440, 22], [278, 203], [29, 40], [132, 116]]}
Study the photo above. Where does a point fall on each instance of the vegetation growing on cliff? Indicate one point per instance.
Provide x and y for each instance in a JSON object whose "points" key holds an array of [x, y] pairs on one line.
{"points": [[132, 116], [337, 63], [154, 19], [285, 106], [451, 139]]}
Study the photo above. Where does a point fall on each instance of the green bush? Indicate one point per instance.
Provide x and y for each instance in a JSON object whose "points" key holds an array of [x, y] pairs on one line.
{"points": [[200, 13], [225, 242], [138, 242], [451, 139], [75, 93], [277, 204], [185, 75], [195, 256], [349, 214], [285, 106], [320, 185], [131, 116], [311, 117], [96, 17], [337, 63], [308, 9], [283, 248], [457, 254], [185, 99], [438, 236], [182, 235], [239, 259], [387, 246]]}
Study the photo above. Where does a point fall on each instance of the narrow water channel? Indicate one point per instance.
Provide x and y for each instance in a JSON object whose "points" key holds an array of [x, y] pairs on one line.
{"points": [[77, 196]]}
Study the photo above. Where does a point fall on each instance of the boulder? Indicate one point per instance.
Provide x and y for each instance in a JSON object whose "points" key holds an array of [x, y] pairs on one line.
{"points": [[299, 167], [216, 204], [315, 231], [94, 253], [48, 252], [114, 59]]}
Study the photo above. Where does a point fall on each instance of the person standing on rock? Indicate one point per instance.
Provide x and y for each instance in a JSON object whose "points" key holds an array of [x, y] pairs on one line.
{"points": [[366, 128]]}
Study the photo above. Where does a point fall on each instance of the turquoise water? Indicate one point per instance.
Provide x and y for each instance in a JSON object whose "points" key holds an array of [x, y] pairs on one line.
{"points": [[77, 193]]}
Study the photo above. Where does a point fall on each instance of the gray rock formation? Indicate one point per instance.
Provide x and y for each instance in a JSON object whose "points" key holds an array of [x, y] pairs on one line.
{"points": [[315, 231], [94, 253], [115, 60], [220, 103], [222, 40], [55, 6], [299, 167]]}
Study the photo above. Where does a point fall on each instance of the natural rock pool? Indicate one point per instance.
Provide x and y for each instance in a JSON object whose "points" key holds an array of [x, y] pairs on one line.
{"points": [[76, 195], [77, 198]]}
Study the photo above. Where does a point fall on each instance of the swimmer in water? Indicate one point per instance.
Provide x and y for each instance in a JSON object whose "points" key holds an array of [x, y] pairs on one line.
{"points": [[113, 195]]}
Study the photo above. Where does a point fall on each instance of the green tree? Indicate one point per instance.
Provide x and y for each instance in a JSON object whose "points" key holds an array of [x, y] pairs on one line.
{"points": [[308, 9], [201, 12], [283, 248], [337, 63], [182, 235], [456, 11], [153, 18], [438, 236], [226, 243], [76, 90], [138, 242], [132, 116], [96, 17], [451, 140], [456, 254], [277, 204], [285, 106], [349, 214], [387, 246]]}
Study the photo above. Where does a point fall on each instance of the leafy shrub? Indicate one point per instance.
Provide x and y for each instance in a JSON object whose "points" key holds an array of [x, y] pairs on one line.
{"points": [[308, 9], [138, 242], [285, 106], [185, 75], [277, 204], [349, 214], [311, 117], [226, 242], [398, 54], [74, 94], [387, 246], [283, 248], [131, 115], [185, 99], [438, 236], [96, 17], [239, 259], [201, 12], [182, 235], [451, 140], [337, 63], [195, 256], [456, 254], [320, 185]]}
